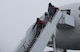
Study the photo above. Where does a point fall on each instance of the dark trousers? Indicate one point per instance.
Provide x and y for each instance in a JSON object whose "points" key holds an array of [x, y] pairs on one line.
{"points": [[38, 31]]}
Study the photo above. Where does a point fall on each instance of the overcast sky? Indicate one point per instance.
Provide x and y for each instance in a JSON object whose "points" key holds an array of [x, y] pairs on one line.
{"points": [[16, 16]]}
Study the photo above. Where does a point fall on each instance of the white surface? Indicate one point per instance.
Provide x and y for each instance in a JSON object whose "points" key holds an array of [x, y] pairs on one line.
{"points": [[73, 50], [70, 20], [48, 49], [16, 16]]}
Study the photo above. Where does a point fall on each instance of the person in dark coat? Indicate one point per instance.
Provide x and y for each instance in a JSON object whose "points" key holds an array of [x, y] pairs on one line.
{"points": [[38, 25], [47, 17], [51, 10]]}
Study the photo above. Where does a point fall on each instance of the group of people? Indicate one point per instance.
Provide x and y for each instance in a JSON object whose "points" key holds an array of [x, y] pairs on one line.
{"points": [[40, 24]]}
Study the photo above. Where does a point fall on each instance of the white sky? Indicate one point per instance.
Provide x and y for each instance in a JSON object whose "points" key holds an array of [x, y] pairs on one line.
{"points": [[16, 16]]}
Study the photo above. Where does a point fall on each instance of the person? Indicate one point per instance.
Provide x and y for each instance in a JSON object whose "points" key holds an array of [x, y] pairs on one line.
{"points": [[38, 25], [51, 10], [47, 17]]}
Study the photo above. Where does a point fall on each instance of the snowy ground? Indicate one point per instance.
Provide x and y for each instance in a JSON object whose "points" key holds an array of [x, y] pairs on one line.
{"points": [[51, 49]]}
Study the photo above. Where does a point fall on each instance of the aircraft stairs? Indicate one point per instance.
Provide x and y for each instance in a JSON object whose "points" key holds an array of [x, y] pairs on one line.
{"points": [[37, 44]]}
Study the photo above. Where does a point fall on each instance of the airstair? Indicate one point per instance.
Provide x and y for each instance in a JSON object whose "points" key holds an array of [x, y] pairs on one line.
{"points": [[38, 44]]}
